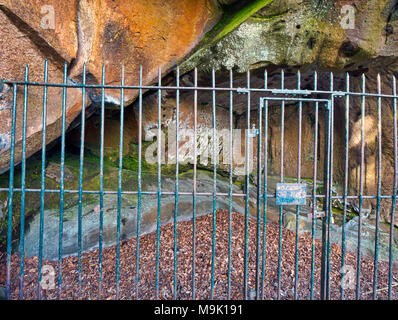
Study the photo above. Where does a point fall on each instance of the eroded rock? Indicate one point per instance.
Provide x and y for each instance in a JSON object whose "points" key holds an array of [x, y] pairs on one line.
{"points": [[12, 67], [129, 33], [90, 219], [154, 34], [306, 33]]}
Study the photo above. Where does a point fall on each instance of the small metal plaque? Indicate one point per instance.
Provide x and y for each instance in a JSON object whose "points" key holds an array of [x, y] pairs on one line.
{"points": [[293, 194]]}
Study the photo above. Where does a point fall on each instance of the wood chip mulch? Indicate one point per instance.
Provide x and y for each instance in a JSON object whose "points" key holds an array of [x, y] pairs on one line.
{"points": [[90, 288]]}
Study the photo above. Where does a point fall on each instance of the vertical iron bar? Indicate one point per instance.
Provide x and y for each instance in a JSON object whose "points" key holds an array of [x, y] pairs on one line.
{"points": [[329, 212], [62, 183], [159, 151], [376, 257], [230, 181], [81, 168], [394, 201], [343, 231], [119, 186], [246, 251], [177, 181], [215, 147], [314, 199], [139, 184], [195, 141], [265, 195], [324, 262], [259, 202], [42, 184], [298, 181], [11, 191]]}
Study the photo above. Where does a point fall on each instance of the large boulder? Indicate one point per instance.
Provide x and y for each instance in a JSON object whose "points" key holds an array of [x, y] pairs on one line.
{"points": [[327, 35], [114, 33], [151, 34], [49, 24], [16, 36]]}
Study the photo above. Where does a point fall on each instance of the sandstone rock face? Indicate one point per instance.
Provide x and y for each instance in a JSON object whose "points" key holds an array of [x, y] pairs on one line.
{"points": [[151, 34], [129, 33], [13, 39], [150, 134], [50, 25], [372, 118], [304, 34]]}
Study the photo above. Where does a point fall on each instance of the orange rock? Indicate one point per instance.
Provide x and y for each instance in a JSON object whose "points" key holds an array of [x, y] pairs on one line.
{"points": [[12, 66], [150, 34], [49, 24], [131, 33]]}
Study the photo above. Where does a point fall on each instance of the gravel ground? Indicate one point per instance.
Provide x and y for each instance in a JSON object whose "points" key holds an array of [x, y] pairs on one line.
{"points": [[147, 289]]}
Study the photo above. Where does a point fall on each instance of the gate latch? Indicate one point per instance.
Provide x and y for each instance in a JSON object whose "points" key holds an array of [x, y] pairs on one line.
{"points": [[291, 194]]}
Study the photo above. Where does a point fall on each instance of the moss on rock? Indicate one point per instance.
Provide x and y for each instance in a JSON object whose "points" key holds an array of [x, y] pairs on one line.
{"points": [[287, 33]]}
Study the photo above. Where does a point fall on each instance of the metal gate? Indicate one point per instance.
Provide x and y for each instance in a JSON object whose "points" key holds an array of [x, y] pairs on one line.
{"points": [[298, 194], [287, 193]]}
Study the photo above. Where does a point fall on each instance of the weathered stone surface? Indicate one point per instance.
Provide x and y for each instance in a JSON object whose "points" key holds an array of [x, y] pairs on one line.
{"points": [[149, 213], [129, 33], [49, 24], [12, 67], [168, 126], [306, 33], [151, 34]]}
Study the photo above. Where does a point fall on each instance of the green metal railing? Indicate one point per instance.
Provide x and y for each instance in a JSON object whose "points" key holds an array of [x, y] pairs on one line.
{"points": [[320, 100]]}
